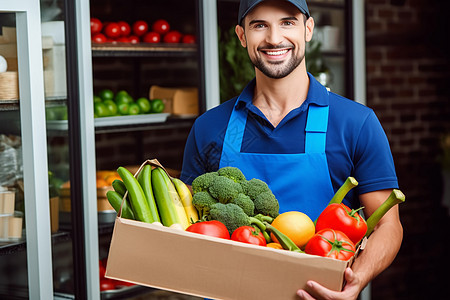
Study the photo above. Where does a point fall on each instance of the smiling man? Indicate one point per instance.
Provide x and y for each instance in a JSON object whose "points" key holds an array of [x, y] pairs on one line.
{"points": [[304, 141]]}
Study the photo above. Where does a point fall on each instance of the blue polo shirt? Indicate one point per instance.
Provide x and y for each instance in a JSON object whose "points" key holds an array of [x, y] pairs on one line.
{"points": [[356, 143]]}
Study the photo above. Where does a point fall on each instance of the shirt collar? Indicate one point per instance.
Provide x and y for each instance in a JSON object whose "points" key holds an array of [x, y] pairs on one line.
{"points": [[317, 94]]}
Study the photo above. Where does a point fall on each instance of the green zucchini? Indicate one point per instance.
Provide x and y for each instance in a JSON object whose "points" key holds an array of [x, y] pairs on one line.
{"points": [[115, 199], [119, 187], [145, 180], [137, 197]]}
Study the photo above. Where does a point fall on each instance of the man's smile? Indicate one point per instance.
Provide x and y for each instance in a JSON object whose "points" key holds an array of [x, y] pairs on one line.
{"points": [[275, 53]]}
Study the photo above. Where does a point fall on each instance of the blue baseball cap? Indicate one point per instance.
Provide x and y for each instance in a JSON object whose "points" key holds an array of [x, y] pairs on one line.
{"points": [[247, 5]]}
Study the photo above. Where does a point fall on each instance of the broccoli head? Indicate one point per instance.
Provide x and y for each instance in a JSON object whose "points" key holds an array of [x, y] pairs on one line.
{"points": [[233, 173], [224, 189], [231, 215], [267, 204], [254, 187], [203, 201], [202, 182], [244, 202]]}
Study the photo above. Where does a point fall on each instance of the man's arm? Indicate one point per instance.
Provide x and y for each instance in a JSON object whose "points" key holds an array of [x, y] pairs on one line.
{"points": [[381, 249], [384, 243]]}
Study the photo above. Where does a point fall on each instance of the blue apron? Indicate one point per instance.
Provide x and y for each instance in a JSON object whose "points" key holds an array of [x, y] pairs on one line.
{"points": [[300, 181]]}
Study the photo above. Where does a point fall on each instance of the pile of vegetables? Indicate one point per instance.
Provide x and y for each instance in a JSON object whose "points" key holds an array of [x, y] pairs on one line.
{"points": [[152, 197], [248, 210], [226, 205]]}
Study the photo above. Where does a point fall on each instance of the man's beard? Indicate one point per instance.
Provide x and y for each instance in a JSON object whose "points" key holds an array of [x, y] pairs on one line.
{"points": [[278, 69]]}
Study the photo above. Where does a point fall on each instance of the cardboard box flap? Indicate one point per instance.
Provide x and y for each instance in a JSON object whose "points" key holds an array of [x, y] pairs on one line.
{"points": [[203, 266]]}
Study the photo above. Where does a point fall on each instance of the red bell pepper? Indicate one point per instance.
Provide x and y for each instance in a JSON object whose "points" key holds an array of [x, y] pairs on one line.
{"points": [[341, 217]]}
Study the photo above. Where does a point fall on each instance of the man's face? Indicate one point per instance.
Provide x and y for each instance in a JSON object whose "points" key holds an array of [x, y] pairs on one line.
{"points": [[275, 33]]}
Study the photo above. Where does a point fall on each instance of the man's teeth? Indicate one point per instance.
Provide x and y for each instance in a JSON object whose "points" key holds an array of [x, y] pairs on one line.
{"points": [[281, 52]]}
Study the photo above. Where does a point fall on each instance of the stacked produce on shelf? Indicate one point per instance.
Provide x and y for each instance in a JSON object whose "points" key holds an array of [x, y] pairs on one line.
{"points": [[140, 31], [226, 205], [108, 104]]}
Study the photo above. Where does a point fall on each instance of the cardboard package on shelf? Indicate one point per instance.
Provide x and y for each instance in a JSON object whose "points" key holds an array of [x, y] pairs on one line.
{"points": [[54, 62], [11, 221], [178, 101]]}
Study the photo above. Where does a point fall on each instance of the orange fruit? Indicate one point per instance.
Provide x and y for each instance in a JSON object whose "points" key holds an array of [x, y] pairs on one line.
{"points": [[101, 182], [110, 178], [296, 225], [66, 185], [274, 245]]}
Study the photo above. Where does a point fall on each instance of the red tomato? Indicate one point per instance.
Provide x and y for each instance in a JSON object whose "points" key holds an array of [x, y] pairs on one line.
{"points": [[341, 217], [112, 30], [99, 38], [151, 37], [120, 283], [125, 28], [161, 26], [96, 26], [188, 39], [331, 243], [140, 28], [211, 228], [250, 235], [172, 37], [106, 284], [133, 39]]}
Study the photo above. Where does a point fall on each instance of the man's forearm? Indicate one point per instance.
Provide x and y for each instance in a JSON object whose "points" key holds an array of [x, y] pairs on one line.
{"points": [[381, 248]]}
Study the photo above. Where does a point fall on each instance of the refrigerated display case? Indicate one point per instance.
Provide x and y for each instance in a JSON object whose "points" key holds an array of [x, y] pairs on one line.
{"points": [[46, 55], [48, 125]]}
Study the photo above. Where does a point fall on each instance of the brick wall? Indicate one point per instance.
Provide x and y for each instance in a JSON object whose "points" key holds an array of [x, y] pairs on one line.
{"points": [[407, 86]]}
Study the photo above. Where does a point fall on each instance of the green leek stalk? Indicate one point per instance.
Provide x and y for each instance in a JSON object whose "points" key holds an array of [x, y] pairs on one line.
{"points": [[283, 239], [396, 197], [349, 184]]}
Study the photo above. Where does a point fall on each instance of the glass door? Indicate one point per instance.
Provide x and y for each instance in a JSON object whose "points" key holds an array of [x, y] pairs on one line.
{"points": [[25, 217], [48, 212]]}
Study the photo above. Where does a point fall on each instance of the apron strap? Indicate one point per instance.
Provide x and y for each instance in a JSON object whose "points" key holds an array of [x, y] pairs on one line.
{"points": [[316, 129]]}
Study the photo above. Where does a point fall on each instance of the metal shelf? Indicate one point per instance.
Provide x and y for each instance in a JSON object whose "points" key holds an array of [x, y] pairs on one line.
{"points": [[11, 247], [143, 50], [60, 127], [11, 105], [63, 235]]}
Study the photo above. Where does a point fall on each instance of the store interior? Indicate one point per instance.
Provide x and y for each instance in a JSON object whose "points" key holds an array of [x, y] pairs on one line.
{"points": [[404, 56]]}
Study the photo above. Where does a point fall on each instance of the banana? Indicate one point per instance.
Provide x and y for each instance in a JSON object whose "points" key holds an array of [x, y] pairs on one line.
{"points": [[186, 198], [171, 209]]}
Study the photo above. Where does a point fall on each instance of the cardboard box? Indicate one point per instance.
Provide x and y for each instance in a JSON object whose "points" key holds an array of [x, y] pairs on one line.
{"points": [[54, 63], [178, 101], [7, 203], [204, 266]]}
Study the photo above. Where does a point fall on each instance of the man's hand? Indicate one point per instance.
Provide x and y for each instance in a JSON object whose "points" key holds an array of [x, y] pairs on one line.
{"points": [[317, 291]]}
